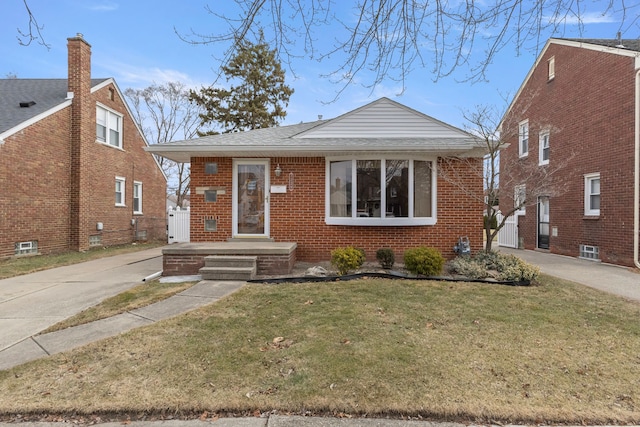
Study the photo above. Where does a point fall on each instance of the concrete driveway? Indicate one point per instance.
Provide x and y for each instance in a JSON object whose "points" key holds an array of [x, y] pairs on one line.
{"points": [[33, 302]]}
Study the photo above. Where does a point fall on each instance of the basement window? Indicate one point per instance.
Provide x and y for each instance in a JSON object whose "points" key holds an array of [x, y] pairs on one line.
{"points": [[590, 252], [95, 240], [26, 248]]}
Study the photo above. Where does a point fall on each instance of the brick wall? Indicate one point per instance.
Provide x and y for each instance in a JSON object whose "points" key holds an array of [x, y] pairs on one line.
{"points": [[298, 215], [589, 107], [58, 182]]}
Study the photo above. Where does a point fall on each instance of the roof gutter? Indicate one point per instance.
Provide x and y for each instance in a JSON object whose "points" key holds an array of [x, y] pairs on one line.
{"points": [[636, 186]]}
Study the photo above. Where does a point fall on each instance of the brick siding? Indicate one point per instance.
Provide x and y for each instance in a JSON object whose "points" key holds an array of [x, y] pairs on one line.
{"points": [[298, 215], [589, 107], [58, 182]]}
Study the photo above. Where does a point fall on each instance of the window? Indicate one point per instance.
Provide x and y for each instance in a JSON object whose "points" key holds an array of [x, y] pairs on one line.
{"points": [[592, 194], [523, 138], [380, 192], [120, 182], [137, 197], [520, 198], [544, 148], [589, 252], [26, 248], [551, 68], [108, 127]]}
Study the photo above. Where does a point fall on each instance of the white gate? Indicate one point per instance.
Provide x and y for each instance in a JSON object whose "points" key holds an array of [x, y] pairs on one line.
{"points": [[178, 225], [508, 234]]}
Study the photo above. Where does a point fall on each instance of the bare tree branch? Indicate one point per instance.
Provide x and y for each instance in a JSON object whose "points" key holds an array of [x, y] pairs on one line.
{"points": [[165, 114], [386, 39], [34, 32]]}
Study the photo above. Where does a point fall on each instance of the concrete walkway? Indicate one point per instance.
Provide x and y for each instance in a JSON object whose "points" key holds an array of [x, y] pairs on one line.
{"points": [[621, 281], [31, 303]]}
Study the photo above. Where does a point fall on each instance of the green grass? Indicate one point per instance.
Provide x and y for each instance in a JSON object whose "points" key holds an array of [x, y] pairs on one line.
{"points": [[554, 353], [17, 266], [136, 297]]}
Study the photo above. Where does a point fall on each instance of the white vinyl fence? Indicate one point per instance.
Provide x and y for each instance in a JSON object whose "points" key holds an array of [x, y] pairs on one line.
{"points": [[178, 225], [508, 235]]}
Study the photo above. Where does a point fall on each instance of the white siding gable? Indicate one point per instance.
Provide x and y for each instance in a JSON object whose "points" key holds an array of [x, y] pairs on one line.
{"points": [[384, 119]]}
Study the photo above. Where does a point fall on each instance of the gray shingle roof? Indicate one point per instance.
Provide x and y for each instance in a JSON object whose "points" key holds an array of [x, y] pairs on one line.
{"points": [[46, 93], [628, 44], [391, 135]]}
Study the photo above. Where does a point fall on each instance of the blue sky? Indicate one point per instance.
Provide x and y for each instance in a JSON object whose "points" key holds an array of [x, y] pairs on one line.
{"points": [[135, 42]]}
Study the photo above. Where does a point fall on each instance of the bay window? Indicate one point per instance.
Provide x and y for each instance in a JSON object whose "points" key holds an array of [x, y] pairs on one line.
{"points": [[380, 191]]}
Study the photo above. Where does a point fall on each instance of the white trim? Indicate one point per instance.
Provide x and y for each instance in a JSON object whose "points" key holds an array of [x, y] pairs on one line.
{"points": [[137, 184], [588, 178], [267, 195], [123, 190], [355, 220], [569, 43], [541, 136], [108, 128], [551, 68], [112, 81], [521, 152], [6, 134]]}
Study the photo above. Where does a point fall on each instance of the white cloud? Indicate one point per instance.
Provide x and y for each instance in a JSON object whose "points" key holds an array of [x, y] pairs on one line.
{"points": [[140, 77], [584, 19]]}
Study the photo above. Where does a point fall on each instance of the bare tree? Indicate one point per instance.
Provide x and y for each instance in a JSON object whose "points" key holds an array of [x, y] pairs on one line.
{"points": [[387, 39], [484, 122], [165, 114], [33, 31]]}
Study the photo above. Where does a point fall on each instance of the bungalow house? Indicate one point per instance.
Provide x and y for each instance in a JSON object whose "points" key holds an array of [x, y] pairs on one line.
{"points": [[73, 170], [578, 111], [371, 178]]}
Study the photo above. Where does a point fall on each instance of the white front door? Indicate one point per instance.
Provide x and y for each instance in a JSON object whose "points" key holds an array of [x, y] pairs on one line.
{"points": [[251, 198]]}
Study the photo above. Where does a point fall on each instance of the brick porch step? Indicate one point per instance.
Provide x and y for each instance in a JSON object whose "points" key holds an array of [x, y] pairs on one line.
{"points": [[229, 267]]}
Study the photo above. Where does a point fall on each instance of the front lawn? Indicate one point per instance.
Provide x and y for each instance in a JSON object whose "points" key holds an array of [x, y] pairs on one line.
{"points": [[554, 353]]}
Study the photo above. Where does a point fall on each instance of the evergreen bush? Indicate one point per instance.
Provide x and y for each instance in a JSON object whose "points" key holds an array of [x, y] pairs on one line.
{"points": [[423, 260]]}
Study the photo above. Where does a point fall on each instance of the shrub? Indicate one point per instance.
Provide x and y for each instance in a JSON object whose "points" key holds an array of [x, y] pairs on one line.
{"points": [[346, 259], [508, 268], [468, 267], [423, 260], [386, 257]]}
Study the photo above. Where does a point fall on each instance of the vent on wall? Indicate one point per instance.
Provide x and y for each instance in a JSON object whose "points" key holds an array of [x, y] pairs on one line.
{"points": [[27, 104]]}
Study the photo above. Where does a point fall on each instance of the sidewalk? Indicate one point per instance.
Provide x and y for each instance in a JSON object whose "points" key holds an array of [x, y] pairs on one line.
{"points": [[33, 302], [98, 278]]}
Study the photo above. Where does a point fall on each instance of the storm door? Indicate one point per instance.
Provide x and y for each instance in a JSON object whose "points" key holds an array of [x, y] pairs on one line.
{"points": [[543, 222], [251, 198]]}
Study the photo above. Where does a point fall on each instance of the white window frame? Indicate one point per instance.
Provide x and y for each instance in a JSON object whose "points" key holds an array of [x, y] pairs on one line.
{"points": [[122, 190], [520, 191], [523, 138], [354, 219], [588, 179], [544, 137], [137, 185], [551, 68], [112, 121]]}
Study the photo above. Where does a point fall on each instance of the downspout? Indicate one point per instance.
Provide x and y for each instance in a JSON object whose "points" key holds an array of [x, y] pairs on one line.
{"points": [[636, 187]]}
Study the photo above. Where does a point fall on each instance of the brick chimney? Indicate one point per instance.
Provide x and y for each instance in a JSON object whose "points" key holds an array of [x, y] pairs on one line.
{"points": [[83, 132], [79, 52]]}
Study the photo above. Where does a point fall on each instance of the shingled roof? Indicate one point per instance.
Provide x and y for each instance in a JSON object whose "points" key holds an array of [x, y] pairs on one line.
{"points": [[37, 96], [628, 44], [383, 127]]}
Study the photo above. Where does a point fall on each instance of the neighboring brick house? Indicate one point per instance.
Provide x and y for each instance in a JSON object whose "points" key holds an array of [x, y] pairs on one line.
{"points": [[73, 170], [370, 178], [578, 108]]}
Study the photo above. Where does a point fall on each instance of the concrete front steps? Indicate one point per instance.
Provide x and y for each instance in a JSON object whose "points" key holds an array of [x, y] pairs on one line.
{"points": [[229, 267]]}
